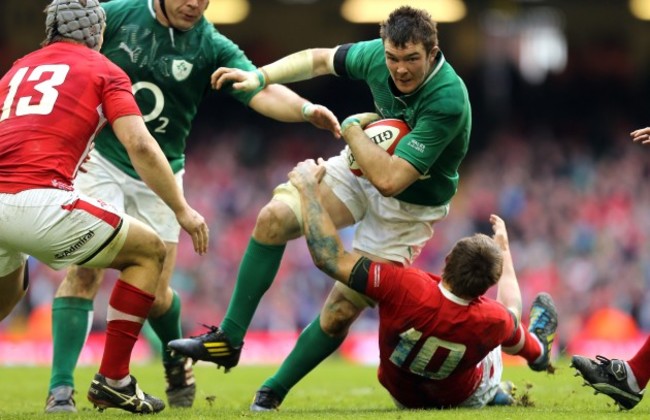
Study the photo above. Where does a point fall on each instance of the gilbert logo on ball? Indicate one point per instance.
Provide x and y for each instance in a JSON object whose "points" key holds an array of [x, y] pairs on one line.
{"points": [[386, 134]]}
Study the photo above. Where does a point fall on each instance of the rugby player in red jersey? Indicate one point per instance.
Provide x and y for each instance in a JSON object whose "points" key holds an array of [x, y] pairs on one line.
{"points": [[54, 101]]}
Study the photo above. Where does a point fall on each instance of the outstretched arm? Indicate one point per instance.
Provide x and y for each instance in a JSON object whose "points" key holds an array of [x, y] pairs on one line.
{"points": [[302, 65], [279, 102], [508, 292], [322, 237], [283, 104]]}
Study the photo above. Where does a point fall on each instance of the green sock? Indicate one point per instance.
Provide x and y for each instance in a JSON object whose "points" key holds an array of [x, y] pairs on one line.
{"points": [[168, 327], [313, 346], [256, 273], [71, 322]]}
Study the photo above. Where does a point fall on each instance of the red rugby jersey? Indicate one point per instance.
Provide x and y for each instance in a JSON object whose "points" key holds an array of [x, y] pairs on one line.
{"points": [[430, 343], [54, 101]]}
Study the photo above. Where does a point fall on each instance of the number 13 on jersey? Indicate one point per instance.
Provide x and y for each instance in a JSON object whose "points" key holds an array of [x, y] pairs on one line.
{"points": [[49, 76]]}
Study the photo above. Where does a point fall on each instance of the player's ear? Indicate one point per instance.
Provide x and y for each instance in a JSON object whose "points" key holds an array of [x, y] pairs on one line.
{"points": [[433, 54]]}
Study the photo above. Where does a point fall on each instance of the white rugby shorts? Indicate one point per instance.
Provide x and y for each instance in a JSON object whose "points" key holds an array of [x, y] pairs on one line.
{"points": [[58, 227], [132, 196], [386, 227], [492, 371]]}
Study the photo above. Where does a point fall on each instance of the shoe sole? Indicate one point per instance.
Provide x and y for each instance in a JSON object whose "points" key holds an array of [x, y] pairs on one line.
{"points": [[102, 405], [611, 391], [545, 301]]}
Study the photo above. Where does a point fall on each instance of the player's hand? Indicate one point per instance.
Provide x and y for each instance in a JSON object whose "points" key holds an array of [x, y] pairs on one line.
{"points": [[500, 232], [322, 117], [642, 135], [194, 224], [241, 80], [362, 120], [307, 174]]}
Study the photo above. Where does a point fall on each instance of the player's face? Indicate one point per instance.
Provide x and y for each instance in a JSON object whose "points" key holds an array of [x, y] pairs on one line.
{"points": [[410, 65], [184, 14]]}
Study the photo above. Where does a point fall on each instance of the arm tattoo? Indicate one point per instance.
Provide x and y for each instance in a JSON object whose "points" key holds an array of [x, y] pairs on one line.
{"points": [[321, 235]]}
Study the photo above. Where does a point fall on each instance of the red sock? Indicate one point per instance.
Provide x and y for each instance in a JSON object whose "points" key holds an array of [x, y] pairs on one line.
{"points": [[523, 344], [128, 308], [640, 364]]}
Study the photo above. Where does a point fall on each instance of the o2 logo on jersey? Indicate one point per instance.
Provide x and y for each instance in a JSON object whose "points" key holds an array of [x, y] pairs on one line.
{"points": [[159, 105], [52, 74]]}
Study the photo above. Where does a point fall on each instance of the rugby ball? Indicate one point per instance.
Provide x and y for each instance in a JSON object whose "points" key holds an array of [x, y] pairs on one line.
{"points": [[385, 133]]}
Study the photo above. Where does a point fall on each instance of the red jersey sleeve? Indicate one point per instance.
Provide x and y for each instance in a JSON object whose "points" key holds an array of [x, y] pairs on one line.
{"points": [[118, 100], [388, 282]]}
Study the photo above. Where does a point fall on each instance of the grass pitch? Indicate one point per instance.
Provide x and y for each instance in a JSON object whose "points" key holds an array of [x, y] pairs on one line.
{"points": [[334, 390]]}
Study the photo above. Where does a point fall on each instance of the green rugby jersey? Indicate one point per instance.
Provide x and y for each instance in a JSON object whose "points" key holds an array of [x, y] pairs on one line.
{"points": [[170, 73], [438, 113]]}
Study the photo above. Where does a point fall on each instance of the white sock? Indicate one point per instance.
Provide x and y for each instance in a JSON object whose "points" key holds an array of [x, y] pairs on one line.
{"points": [[119, 383]]}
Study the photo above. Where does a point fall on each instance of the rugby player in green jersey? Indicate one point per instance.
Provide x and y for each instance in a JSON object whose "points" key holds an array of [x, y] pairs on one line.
{"points": [[395, 205], [169, 50]]}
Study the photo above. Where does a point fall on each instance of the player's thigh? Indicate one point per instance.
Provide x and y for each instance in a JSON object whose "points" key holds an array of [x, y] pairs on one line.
{"points": [[394, 230], [281, 219], [143, 204], [57, 227], [137, 245], [102, 180], [342, 193]]}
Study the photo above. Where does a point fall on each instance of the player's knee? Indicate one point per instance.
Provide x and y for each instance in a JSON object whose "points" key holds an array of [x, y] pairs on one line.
{"points": [[84, 278], [157, 252], [162, 302], [276, 224], [81, 282], [335, 320]]}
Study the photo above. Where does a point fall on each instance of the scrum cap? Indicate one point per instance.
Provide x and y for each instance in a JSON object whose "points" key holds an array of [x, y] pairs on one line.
{"points": [[79, 20]]}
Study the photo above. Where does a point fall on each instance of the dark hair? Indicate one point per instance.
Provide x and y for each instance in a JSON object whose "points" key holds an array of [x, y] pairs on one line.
{"points": [[407, 24], [473, 266]]}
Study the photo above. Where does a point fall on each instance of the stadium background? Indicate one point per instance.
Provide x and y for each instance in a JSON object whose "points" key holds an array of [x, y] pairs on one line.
{"points": [[556, 87]]}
